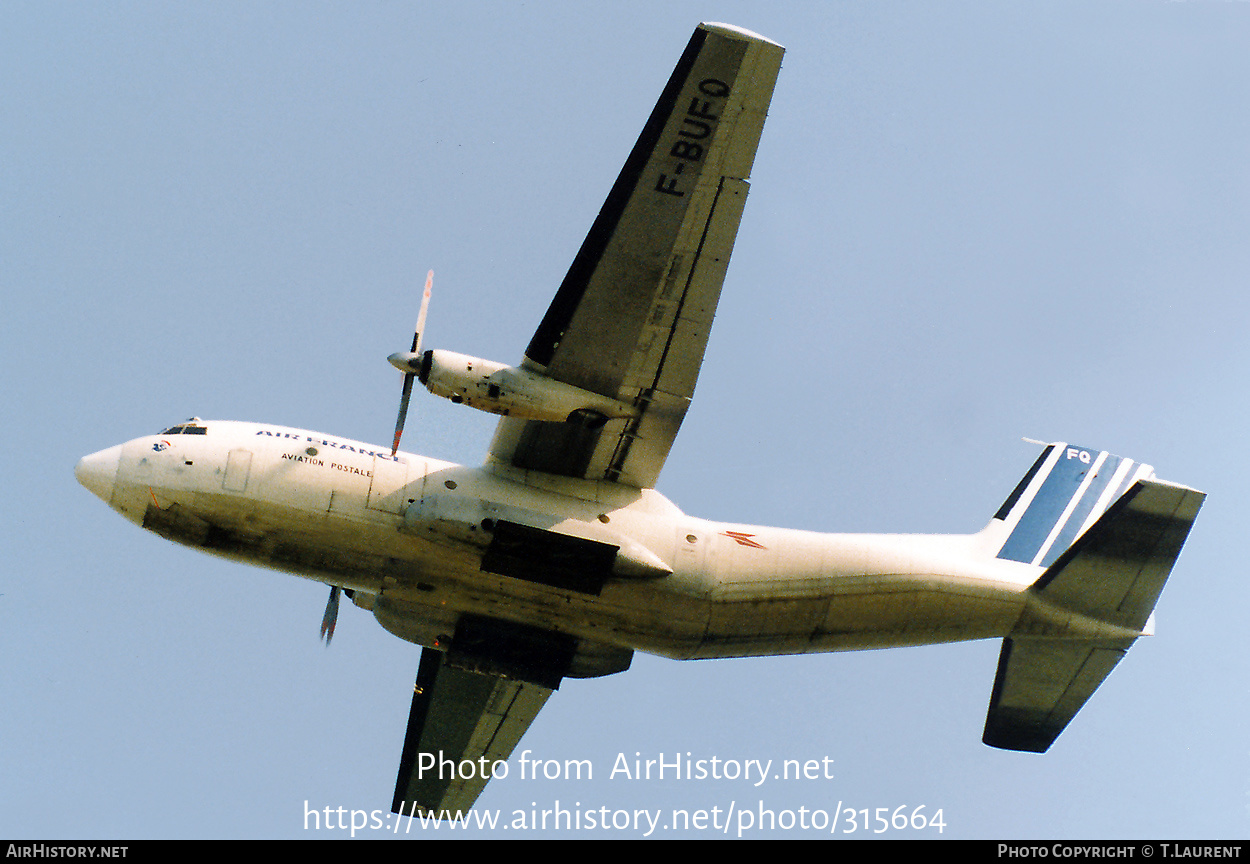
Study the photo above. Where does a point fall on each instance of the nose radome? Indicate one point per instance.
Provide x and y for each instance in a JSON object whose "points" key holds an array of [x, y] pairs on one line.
{"points": [[98, 472]]}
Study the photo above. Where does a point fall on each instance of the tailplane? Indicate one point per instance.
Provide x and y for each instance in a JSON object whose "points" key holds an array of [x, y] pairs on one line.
{"points": [[1108, 534]]}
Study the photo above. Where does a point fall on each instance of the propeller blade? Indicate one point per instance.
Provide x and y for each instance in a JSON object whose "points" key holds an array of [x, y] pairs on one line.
{"points": [[332, 615], [425, 304], [403, 411], [408, 375]]}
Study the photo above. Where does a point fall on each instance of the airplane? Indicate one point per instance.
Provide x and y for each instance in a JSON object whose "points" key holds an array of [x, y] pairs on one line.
{"points": [[557, 558]]}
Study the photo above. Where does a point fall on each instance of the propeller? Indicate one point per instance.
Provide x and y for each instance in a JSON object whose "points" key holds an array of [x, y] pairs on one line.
{"points": [[331, 617], [408, 363]]}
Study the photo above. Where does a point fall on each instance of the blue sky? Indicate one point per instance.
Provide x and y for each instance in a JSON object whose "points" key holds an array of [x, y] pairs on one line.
{"points": [[969, 222]]}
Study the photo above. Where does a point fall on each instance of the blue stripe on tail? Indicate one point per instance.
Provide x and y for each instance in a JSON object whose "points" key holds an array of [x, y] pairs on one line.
{"points": [[1064, 492]]}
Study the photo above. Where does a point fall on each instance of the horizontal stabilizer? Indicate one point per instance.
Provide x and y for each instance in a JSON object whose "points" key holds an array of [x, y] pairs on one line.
{"points": [[1116, 570], [459, 715], [1041, 684], [1105, 587]]}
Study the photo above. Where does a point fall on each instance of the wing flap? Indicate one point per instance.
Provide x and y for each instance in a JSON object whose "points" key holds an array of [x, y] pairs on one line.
{"points": [[684, 330]]}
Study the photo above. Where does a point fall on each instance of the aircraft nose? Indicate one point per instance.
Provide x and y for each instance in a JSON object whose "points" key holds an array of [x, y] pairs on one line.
{"points": [[98, 472]]}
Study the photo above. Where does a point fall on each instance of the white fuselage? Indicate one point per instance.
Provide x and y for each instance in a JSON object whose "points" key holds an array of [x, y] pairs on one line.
{"points": [[406, 534]]}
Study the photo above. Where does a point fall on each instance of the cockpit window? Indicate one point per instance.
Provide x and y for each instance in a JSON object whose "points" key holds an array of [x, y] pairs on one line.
{"points": [[191, 427]]}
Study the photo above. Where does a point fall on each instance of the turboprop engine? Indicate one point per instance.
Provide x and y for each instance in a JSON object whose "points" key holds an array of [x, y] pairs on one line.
{"points": [[509, 390]]}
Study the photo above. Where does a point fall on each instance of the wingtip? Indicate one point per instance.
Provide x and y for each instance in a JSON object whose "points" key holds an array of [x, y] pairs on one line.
{"points": [[735, 32]]}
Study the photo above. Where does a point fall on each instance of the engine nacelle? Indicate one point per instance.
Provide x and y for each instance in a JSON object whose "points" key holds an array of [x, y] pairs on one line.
{"points": [[507, 390]]}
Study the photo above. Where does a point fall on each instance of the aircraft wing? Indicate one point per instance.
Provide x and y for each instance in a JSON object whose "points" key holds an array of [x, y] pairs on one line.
{"points": [[459, 715], [632, 316]]}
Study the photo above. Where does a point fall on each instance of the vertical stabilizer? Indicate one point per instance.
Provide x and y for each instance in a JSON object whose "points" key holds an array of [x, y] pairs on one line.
{"points": [[1061, 496]]}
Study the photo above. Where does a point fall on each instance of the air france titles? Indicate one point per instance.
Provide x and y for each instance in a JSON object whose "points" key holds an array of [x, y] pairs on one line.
{"points": [[696, 128], [309, 454]]}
